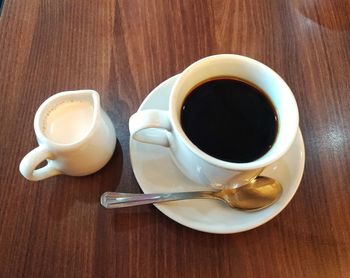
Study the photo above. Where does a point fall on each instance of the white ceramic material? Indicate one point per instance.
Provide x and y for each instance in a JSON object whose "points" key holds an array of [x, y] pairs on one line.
{"points": [[156, 172], [78, 158], [203, 169]]}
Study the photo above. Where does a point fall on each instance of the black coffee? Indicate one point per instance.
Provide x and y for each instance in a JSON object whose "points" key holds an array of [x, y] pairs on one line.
{"points": [[229, 119]]}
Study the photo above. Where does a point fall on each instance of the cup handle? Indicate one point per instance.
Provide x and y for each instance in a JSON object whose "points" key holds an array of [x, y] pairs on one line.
{"points": [[151, 126], [29, 163]]}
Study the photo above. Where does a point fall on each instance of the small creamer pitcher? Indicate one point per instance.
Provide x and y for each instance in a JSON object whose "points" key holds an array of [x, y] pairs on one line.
{"points": [[75, 136]]}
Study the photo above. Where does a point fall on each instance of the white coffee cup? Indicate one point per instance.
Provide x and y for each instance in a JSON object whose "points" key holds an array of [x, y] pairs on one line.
{"points": [[75, 136], [164, 127]]}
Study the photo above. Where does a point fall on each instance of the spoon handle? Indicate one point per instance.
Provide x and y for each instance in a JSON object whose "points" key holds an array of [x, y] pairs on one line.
{"points": [[120, 200]]}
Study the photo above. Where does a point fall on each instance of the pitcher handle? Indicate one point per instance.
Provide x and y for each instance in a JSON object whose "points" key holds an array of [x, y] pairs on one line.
{"points": [[29, 163]]}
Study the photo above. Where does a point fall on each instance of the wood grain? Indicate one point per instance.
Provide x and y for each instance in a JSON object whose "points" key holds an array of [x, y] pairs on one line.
{"points": [[123, 49]]}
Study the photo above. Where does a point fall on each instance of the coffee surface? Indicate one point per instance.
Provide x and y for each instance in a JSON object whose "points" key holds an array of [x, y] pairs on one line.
{"points": [[229, 119]]}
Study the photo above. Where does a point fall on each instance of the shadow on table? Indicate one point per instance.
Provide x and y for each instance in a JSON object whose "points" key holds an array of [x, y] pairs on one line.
{"points": [[83, 193]]}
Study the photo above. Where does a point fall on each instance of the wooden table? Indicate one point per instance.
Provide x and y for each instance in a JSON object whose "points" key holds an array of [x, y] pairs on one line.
{"points": [[123, 49]]}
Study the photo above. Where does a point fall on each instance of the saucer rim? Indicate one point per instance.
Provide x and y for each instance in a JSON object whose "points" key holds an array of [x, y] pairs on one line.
{"points": [[175, 217]]}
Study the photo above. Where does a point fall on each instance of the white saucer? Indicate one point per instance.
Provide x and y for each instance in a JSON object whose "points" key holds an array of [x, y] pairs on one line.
{"points": [[156, 172]]}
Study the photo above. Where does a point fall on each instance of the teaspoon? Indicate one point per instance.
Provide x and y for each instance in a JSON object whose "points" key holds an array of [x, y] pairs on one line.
{"points": [[257, 194]]}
